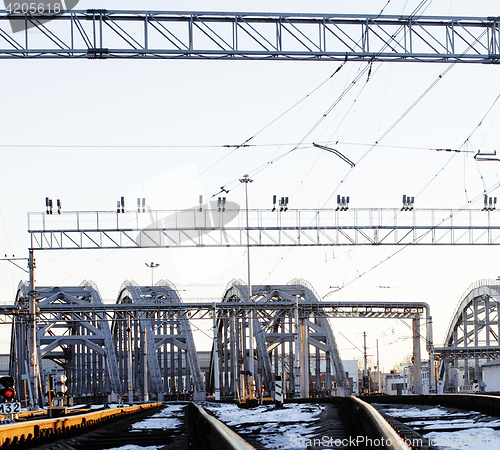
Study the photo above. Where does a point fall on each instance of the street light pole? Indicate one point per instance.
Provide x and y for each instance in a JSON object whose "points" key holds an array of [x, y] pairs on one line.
{"points": [[247, 180], [251, 366], [153, 266]]}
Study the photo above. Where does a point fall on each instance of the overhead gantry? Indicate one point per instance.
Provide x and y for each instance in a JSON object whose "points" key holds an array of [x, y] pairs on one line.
{"points": [[101, 33], [287, 338], [473, 334]]}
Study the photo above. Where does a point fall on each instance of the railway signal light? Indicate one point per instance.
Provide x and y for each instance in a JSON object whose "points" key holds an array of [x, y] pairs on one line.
{"points": [[221, 204], [408, 203], [7, 392], [342, 203], [120, 205], [61, 387], [48, 205]]}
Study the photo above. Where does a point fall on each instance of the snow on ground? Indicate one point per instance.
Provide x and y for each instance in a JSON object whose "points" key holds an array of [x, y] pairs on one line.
{"points": [[477, 439], [274, 428], [135, 447], [422, 412], [101, 406], [473, 429], [168, 417]]}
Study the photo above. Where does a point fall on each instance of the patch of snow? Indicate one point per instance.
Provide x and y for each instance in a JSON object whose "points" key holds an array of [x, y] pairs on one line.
{"points": [[158, 423], [416, 412], [274, 428], [232, 415], [474, 430], [479, 439], [136, 447], [166, 418]]}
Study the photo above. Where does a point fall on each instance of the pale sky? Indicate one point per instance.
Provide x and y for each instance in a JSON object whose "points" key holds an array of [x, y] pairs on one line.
{"points": [[82, 114]]}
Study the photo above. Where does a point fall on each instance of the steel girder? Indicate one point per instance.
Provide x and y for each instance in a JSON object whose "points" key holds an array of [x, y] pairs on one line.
{"points": [[143, 343], [185, 330], [333, 354], [100, 34], [204, 309], [284, 337], [152, 332], [473, 332], [304, 227], [79, 343], [19, 356], [111, 361]]}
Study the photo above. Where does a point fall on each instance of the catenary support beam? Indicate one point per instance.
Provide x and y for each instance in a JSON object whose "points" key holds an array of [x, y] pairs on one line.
{"points": [[101, 34], [293, 228]]}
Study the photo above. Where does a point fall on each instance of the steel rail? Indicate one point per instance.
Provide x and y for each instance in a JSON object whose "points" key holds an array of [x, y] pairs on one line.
{"points": [[23, 433], [221, 434]]}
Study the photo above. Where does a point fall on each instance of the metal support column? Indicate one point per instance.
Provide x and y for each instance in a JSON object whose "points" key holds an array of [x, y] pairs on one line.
{"points": [[130, 371], [417, 364], [215, 358], [145, 365], [33, 375], [297, 368]]}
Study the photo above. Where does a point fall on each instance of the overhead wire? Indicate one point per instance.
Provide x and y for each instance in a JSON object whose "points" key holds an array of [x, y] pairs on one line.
{"points": [[346, 90], [452, 156], [236, 180], [367, 68], [354, 345], [332, 106], [464, 143]]}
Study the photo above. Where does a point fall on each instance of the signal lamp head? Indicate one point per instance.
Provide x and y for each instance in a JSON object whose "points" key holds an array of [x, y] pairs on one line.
{"points": [[8, 393], [7, 381]]}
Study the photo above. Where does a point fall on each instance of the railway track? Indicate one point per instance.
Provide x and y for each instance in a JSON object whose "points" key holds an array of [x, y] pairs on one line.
{"points": [[450, 421], [172, 426], [337, 423]]}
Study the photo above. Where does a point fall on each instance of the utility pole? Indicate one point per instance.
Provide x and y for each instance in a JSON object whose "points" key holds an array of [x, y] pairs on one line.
{"points": [[251, 366], [129, 361], [216, 359], [365, 371], [378, 371]]}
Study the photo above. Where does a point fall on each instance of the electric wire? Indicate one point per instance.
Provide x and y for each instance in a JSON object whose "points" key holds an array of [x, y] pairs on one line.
{"points": [[334, 104], [354, 345], [414, 330], [466, 141], [366, 69], [346, 90]]}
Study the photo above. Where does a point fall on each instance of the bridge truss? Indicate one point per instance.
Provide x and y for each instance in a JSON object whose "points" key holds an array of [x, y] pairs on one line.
{"points": [[78, 343], [99, 33], [473, 334], [89, 340]]}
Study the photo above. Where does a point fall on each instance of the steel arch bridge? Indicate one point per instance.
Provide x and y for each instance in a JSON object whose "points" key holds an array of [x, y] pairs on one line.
{"points": [[163, 356], [77, 337], [285, 344], [473, 334], [80, 345]]}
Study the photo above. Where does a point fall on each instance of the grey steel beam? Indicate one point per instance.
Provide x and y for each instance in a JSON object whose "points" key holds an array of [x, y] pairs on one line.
{"points": [[304, 227], [353, 309], [102, 34], [443, 353]]}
